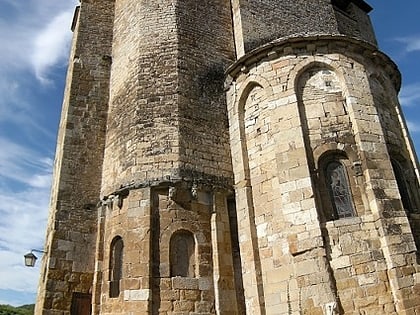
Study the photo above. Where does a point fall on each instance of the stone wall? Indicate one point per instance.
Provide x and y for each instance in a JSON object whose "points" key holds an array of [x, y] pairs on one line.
{"points": [[148, 220], [128, 217], [354, 22], [259, 22], [264, 21], [142, 132], [167, 135], [400, 150], [289, 109], [206, 49], [167, 113]]}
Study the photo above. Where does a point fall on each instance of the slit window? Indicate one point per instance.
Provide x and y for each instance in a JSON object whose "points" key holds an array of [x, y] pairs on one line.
{"points": [[115, 266]]}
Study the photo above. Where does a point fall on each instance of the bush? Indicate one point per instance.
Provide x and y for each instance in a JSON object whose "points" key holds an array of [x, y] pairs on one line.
{"points": [[21, 310]]}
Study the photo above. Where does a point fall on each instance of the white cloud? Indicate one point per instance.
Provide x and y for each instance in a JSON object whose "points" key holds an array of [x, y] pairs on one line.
{"points": [[33, 43], [22, 229], [410, 94], [23, 220], [411, 43], [413, 127], [23, 165], [10, 97], [51, 46], [24, 214], [35, 37]]}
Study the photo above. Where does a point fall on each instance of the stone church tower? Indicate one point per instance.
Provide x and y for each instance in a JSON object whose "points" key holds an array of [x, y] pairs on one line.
{"points": [[231, 157]]}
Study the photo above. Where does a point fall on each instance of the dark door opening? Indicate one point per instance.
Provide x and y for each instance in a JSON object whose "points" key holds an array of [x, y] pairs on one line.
{"points": [[81, 304]]}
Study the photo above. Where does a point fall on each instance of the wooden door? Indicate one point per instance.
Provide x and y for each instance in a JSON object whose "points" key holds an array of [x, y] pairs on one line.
{"points": [[81, 304]]}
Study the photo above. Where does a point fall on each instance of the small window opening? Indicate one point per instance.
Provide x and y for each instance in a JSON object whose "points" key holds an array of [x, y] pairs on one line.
{"points": [[115, 266], [182, 254]]}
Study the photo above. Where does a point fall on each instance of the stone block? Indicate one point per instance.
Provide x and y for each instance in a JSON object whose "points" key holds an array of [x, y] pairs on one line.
{"points": [[185, 283], [183, 306], [205, 283], [170, 295], [137, 295]]}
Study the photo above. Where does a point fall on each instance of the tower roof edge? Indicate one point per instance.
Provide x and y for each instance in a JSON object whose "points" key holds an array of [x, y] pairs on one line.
{"points": [[363, 5]]}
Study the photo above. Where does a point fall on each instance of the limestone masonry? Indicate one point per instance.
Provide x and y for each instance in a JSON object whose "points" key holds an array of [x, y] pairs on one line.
{"points": [[231, 157]]}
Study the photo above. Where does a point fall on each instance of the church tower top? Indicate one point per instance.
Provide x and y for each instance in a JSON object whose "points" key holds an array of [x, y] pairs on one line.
{"points": [[259, 22]]}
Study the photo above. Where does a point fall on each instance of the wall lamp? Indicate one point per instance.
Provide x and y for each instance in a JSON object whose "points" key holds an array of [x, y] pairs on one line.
{"points": [[30, 257]]}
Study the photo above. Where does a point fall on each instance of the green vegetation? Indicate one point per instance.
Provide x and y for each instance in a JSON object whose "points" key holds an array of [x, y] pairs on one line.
{"points": [[21, 310]]}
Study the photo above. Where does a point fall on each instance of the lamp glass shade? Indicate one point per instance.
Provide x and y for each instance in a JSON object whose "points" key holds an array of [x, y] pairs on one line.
{"points": [[30, 259]]}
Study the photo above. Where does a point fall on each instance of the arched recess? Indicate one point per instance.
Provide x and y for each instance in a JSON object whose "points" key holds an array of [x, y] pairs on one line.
{"points": [[327, 131], [252, 86], [115, 266], [246, 87], [408, 187], [403, 182], [392, 121], [321, 63], [327, 127], [248, 111], [255, 91], [237, 117], [182, 254], [201, 241]]}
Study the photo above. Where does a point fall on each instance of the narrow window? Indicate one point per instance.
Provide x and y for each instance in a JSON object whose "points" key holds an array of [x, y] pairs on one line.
{"points": [[339, 190], [182, 254], [115, 266]]}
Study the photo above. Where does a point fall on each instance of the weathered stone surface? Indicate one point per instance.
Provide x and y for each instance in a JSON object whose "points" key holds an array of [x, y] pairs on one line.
{"points": [[194, 164]]}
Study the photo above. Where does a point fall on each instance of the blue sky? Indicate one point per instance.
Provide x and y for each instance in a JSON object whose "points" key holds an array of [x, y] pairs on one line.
{"points": [[34, 45], [398, 31]]}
